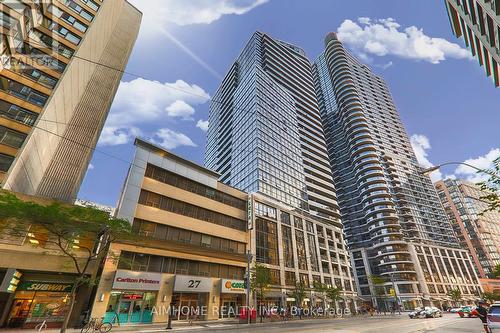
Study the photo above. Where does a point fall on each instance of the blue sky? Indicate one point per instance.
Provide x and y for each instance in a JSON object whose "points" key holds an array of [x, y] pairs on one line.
{"points": [[447, 103]]}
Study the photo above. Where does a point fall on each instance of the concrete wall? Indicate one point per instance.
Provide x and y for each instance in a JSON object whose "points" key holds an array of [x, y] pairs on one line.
{"points": [[49, 165]]}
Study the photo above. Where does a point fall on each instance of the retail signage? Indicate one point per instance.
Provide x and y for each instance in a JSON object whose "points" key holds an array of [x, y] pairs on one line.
{"points": [[250, 213], [132, 296], [130, 280], [45, 286], [192, 284], [233, 286], [10, 281]]}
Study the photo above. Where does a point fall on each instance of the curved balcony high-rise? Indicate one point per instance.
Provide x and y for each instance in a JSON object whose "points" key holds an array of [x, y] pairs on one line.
{"points": [[385, 202]]}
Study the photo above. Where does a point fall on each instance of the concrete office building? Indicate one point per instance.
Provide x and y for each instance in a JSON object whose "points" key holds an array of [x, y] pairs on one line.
{"points": [[193, 251], [478, 22], [53, 101], [386, 203], [479, 233], [265, 136]]}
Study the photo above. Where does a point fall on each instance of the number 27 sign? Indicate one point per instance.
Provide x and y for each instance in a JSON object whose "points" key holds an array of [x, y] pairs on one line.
{"points": [[192, 283]]}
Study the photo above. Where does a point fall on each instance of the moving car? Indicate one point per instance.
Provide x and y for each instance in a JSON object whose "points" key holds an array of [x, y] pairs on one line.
{"points": [[494, 317], [455, 310], [467, 311], [432, 312], [416, 313]]}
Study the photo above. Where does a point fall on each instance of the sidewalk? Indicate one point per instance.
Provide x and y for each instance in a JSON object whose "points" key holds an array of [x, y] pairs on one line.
{"points": [[176, 325], [184, 325]]}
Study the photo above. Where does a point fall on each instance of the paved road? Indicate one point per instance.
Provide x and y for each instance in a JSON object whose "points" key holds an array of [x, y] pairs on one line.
{"points": [[448, 324]]}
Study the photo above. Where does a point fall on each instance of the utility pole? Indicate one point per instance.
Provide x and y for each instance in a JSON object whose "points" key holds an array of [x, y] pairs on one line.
{"points": [[249, 260], [395, 295]]}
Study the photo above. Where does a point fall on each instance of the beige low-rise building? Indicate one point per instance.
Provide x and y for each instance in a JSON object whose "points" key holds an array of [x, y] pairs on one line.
{"points": [[194, 253]]}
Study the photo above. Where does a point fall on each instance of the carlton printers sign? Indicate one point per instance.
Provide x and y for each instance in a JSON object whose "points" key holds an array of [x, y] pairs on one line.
{"points": [[130, 280]]}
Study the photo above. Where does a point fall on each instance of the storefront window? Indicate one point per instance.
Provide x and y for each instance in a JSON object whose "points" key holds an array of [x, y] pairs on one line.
{"points": [[33, 303], [130, 307]]}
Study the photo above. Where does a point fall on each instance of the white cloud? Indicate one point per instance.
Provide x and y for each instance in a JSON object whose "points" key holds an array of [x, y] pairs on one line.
{"points": [[483, 162], [386, 65], [180, 109], [158, 13], [384, 37], [113, 136], [142, 102], [203, 125], [90, 167], [171, 139], [421, 145]]}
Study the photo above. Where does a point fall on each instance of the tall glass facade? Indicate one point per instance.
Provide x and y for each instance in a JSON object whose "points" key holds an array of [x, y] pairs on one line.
{"points": [[265, 133]]}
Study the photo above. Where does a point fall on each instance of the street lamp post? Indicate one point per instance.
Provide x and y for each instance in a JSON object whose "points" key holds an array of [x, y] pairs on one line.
{"points": [[395, 294], [437, 167]]}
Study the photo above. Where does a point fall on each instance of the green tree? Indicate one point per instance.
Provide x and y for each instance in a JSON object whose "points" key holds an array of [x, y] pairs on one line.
{"points": [[455, 294], [299, 293], [379, 289], [321, 289], [334, 294], [259, 283], [80, 234], [496, 272], [492, 187], [491, 297]]}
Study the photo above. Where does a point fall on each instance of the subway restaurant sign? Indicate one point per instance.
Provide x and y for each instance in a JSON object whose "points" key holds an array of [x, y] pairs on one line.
{"points": [[233, 286], [44, 286]]}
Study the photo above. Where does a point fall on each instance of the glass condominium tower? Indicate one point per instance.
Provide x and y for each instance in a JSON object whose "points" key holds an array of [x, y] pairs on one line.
{"points": [[61, 64], [386, 203], [265, 137], [265, 133]]}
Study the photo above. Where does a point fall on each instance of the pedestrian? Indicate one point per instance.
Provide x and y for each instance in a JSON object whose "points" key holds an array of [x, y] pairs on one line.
{"points": [[482, 313]]}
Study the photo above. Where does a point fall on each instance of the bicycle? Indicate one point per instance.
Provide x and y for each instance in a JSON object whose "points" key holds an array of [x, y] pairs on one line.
{"points": [[96, 324], [42, 326]]}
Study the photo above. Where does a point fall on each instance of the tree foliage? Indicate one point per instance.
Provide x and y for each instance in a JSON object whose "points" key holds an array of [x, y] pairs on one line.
{"points": [[492, 187], [455, 294], [80, 234], [299, 293], [496, 272], [491, 297]]}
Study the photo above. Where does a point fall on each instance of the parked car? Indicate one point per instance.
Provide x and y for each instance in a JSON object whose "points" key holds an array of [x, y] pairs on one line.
{"points": [[432, 312], [455, 310], [494, 317], [467, 311]]}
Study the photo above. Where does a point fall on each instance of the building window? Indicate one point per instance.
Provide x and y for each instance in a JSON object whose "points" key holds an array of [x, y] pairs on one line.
{"points": [[173, 179], [151, 263], [313, 253], [265, 210], [17, 113], [266, 241], [5, 162], [287, 246], [301, 249], [182, 208], [23, 92], [11, 138], [290, 279], [164, 232]]}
